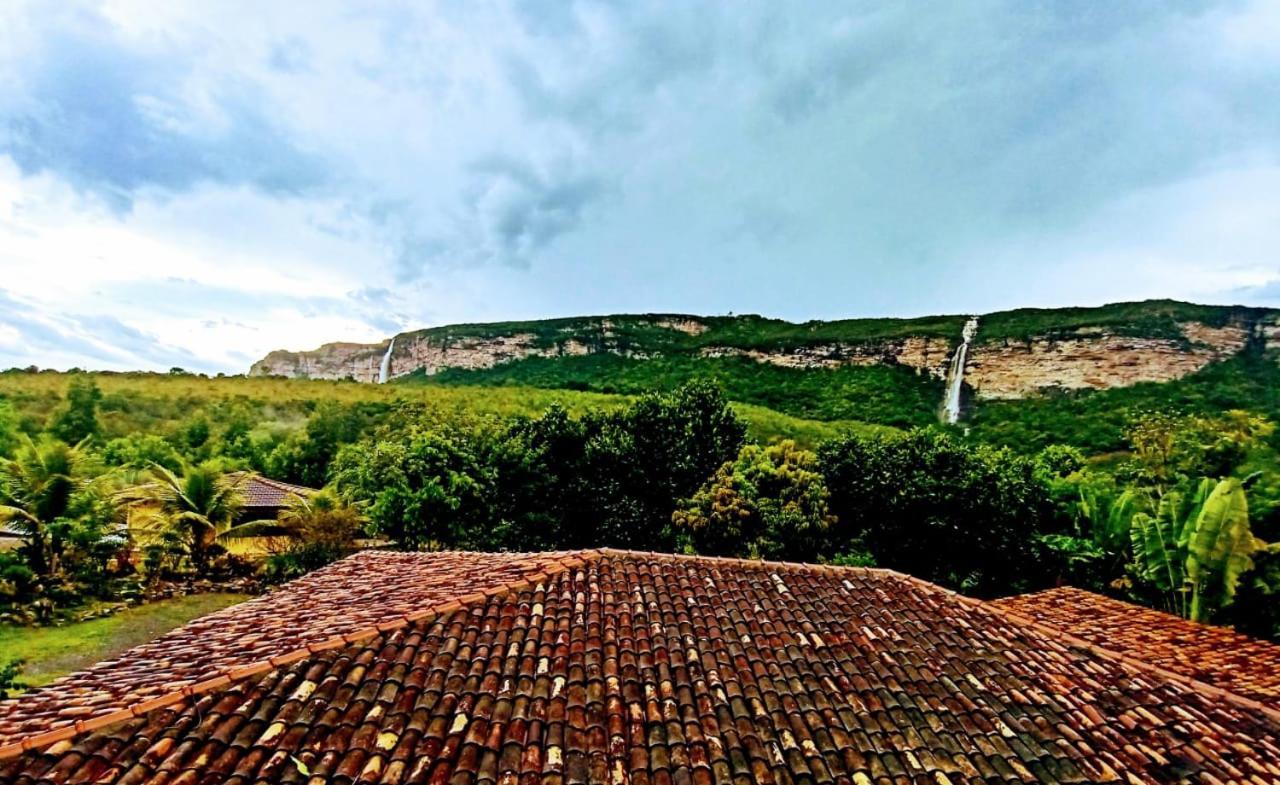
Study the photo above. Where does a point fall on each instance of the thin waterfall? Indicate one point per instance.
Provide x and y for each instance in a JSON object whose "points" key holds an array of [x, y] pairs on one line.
{"points": [[385, 368], [955, 374]]}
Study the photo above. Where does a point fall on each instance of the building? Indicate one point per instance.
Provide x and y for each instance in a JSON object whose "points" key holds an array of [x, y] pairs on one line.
{"points": [[264, 497], [634, 669]]}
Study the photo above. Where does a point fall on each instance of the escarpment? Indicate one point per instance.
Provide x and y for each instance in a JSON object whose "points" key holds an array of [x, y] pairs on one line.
{"points": [[1014, 354]]}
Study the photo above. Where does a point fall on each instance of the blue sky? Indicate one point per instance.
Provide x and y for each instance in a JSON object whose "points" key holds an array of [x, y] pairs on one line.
{"points": [[195, 184]]}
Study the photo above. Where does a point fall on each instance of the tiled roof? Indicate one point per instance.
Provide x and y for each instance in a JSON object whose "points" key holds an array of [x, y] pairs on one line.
{"points": [[642, 669], [262, 491], [1214, 655], [357, 593]]}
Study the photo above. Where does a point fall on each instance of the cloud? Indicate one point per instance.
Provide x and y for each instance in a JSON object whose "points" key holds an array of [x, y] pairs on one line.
{"points": [[115, 120], [38, 337], [323, 174]]}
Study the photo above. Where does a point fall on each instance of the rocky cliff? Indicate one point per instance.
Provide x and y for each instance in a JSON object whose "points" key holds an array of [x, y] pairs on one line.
{"points": [[1025, 353]]}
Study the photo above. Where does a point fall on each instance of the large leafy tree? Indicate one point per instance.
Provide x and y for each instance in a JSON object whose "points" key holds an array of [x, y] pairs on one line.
{"points": [[927, 504], [38, 489], [769, 502], [422, 488], [640, 462]]}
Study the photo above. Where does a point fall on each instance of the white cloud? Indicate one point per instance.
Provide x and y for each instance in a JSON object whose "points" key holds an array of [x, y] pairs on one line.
{"points": [[224, 179]]}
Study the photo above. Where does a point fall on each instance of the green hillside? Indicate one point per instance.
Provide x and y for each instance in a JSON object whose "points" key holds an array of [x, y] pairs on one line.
{"points": [[272, 408], [882, 394]]}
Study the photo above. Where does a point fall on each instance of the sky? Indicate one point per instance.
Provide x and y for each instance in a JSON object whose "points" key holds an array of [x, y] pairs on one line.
{"points": [[195, 184]]}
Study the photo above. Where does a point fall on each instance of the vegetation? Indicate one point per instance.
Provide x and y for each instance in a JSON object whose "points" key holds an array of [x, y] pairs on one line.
{"points": [[1095, 421], [1146, 319], [881, 394], [47, 653], [769, 502], [1167, 495]]}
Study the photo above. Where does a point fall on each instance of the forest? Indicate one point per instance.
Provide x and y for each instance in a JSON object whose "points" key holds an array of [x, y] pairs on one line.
{"points": [[110, 483]]}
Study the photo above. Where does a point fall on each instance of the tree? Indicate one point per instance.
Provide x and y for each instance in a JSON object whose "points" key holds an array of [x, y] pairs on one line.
{"points": [[37, 488], [423, 488], [78, 418], [770, 502], [305, 457], [200, 506], [323, 529], [640, 462], [139, 451], [10, 429], [927, 504]]}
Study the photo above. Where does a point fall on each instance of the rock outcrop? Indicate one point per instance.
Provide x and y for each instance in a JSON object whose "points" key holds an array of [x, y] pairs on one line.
{"points": [[923, 354], [1094, 357]]}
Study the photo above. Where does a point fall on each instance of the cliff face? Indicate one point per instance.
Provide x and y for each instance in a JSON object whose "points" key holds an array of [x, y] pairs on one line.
{"points": [[1069, 349], [924, 354], [1096, 360], [357, 361]]}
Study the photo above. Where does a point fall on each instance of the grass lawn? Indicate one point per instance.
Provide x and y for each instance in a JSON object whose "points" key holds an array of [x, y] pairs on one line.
{"points": [[51, 652]]}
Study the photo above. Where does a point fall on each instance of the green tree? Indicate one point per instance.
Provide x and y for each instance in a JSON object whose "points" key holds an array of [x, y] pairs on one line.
{"points": [[323, 529], [770, 502], [37, 490], [422, 488], [200, 506], [77, 420], [10, 429], [640, 462], [929, 505], [138, 451]]}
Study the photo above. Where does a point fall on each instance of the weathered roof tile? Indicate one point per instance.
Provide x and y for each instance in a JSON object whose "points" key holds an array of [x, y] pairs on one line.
{"points": [[604, 672]]}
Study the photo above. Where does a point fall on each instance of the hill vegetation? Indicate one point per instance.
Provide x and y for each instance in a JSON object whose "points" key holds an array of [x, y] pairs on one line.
{"points": [[1166, 494]]}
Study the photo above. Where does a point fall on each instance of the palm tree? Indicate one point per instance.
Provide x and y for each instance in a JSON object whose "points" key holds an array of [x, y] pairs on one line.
{"points": [[201, 507], [37, 488]]}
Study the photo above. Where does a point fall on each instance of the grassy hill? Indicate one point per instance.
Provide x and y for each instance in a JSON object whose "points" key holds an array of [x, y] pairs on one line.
{"points": [[161, 403]]}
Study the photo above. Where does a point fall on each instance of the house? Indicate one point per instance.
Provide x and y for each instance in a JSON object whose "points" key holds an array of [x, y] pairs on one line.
{"points": [[264, 497], [632, 668]]}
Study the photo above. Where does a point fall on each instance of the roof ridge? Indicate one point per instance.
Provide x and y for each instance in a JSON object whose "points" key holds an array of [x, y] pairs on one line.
{"points": [[228, 676], [1194, 684], [741, 562]]}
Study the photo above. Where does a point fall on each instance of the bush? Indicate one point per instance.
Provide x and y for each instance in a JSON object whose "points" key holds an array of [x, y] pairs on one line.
{"points": [[929, 505]]}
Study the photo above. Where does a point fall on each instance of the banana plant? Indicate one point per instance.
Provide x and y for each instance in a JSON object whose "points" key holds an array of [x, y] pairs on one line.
{"points": [[1197, 546]]}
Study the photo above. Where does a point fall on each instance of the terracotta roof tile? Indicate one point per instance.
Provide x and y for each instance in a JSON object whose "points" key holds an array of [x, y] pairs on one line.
{"points": [[1218, 656], [259, 491], [637, 669], [351, 596]]}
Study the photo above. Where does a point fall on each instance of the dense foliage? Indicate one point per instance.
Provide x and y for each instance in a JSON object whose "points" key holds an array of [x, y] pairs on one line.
{"points": [[927, 504], [1167, 495], [606, 479], [881, 394]]}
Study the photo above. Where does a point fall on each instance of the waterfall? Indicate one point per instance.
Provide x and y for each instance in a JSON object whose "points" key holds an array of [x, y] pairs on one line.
{"points": [[385, 368], [955, 374]]}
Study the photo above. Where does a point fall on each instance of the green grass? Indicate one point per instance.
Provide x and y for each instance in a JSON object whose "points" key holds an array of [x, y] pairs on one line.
{"points": [[52, 652]]}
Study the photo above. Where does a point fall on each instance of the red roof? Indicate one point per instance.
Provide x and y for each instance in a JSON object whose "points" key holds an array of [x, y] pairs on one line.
{"points": [[1217, 656], [262, 491], [639, 669]]}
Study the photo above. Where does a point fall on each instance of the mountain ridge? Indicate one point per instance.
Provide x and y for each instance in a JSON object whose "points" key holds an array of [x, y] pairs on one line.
{"points": [[1015, 353]]}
